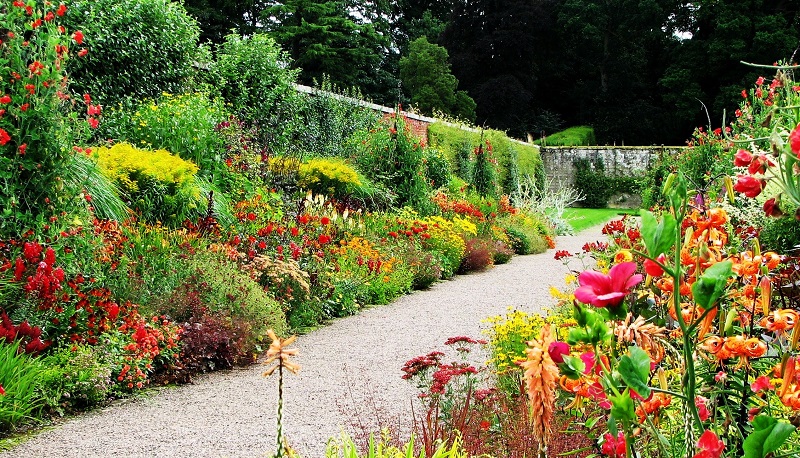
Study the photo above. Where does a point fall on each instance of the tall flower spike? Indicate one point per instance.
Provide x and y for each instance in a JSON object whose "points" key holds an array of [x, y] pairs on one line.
{"points": [[278, 352], [541, 376]]}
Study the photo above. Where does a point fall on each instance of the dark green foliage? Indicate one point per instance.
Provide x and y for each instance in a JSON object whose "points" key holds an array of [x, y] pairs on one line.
{"points": [[394, 158], [463, 160], [484, 176], [495, 59], [137, 48], [781, 235], [426, 76], [255, 81], [326, 38], [511, 181], [457, 142], [329, 121], [75, 378], [437, 168], [218, 17], [591, 180]]}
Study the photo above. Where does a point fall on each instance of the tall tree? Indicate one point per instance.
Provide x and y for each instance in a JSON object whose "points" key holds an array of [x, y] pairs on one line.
{"points": [[217, 18], [426, 75], [325, 38], [493, 46], [706, 66], [619, 51]]}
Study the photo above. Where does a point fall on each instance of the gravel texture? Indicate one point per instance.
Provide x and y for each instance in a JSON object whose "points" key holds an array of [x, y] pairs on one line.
{"points": [[350, 374]]}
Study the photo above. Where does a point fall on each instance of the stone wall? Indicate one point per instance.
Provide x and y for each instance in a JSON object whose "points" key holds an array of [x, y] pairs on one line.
{"points": [[619, 161]]}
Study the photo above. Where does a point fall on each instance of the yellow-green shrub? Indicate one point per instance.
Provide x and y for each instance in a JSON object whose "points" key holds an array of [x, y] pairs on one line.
{"points": [[330, 176], [159, 185]]}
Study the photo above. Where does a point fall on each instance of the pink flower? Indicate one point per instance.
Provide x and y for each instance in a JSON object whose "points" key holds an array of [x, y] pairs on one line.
{"points": [[702, 410], [721, 377], [710, 445], [603, 290], [614, 447], [749, 186], [557, 350], [794, 140], [761, 383]]}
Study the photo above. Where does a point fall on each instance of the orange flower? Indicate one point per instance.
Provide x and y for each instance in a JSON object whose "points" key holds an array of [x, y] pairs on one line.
{"points": [[278, 352], [541, 374], [779, 320]]}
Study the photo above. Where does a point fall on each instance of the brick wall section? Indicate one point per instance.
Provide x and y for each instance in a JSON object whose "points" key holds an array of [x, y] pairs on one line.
{"points": [[417, 124]]}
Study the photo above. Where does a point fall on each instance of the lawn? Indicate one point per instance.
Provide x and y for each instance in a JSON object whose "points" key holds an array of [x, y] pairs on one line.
{"points": [[584, 218]]}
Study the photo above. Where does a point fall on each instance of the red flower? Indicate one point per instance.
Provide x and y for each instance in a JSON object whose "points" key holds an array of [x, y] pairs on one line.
{"points": [[702, 410], [749, 186], [771, 208], [653, 269], [24, 106], [759, 165], [614, 447], [61, 10], [393, 234], [710, 445], [35, 24], [761, 383], [2, 391], [561, 254], [93, 122], [325, 221], [4, 137], [22, 149], [603, 290], [5, 99], [93, 110], [794, 140], [83, 52], [743, 158], [78, 37], [760, 81], [294, 231]]}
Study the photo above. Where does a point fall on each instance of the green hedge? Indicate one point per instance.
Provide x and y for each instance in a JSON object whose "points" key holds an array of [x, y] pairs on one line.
{"points": [[447, 138], [574, 136]]}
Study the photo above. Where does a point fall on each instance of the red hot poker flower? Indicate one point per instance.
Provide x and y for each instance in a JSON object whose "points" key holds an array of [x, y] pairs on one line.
{"points": [[603, 290]]}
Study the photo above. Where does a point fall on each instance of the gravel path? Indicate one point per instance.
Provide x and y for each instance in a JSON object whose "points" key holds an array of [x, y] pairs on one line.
{"points": [[350, 371]]}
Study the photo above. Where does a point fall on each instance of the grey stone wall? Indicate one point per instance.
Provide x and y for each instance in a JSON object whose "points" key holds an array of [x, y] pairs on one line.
{"points": [[619, 161]]}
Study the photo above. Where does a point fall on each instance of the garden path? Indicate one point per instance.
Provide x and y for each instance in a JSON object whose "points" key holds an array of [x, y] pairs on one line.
{"points": [[350, 373]]}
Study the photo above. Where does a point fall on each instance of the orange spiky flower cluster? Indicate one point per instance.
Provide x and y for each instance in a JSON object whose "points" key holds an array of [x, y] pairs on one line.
{"points": [[541, 375]]}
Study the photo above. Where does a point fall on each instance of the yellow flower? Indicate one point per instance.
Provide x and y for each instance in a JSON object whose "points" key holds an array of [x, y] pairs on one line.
{"points": [[623, 256]]}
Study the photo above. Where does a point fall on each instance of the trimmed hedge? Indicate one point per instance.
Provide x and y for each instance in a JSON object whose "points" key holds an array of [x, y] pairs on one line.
{"points": [[447, 139]]}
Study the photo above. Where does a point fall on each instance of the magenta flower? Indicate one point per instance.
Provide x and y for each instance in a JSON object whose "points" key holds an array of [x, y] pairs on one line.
{"points": [[557, 350], [603, 290]]}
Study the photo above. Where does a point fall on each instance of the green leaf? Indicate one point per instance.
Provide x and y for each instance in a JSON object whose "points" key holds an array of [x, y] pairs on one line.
{"points": [[768, 436], [710, 286], [634, 368], [622, 407], [572, 367], [658, 236]]}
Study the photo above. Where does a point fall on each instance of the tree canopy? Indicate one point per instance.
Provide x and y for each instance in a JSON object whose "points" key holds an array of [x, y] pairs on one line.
{"points": [[638, 71], [426, 75]]}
